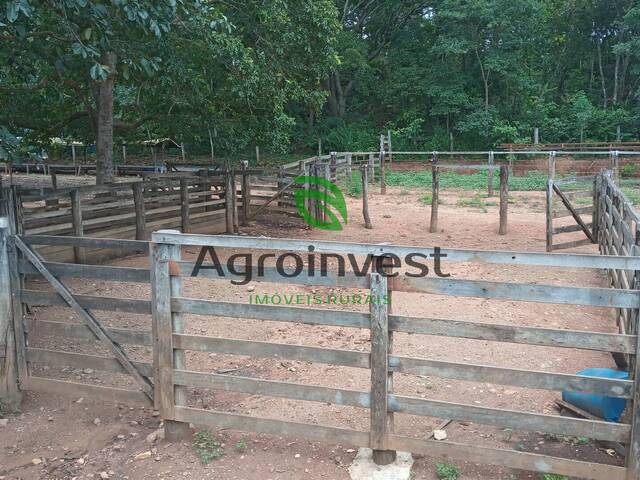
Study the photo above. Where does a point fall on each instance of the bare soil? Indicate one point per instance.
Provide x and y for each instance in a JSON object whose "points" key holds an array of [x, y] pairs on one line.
{"points": [[63, 435]]}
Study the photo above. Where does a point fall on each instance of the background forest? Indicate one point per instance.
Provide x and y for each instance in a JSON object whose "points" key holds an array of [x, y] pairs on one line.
{"points": [[224, 76]]}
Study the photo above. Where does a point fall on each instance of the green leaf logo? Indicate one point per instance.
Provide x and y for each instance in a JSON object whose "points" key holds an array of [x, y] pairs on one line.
{"points": [[318, 197]]}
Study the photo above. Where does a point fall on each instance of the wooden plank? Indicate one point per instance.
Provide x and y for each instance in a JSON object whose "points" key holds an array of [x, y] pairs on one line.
{"points": [[184, 206], [308, 316], [570, 228], [221, 420], [511, 376], [574, 214], [504, 418], [96, 327], [579, 210], [569, 260], [606, 342], [347, 358], [92, 302], [87, 242], [574, 244], [525, 292], [271, 275], [57, 358], [272, 388], [101, 272], [549, 212], [508, 458], [94, 392], [80, 331]]}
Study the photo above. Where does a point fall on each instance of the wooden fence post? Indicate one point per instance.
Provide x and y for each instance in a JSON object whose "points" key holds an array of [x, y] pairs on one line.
{"points": [[138, 201], [10, 395], [78, 229], [435, 188], [595, 213], [234, 198], [184, 205], [549, 215], [372, 167], [281, 182], [365, 197], [228, 201], [381, 419], [327, 177], [490, 175], [383, 184], [246, 193], [165, 324], [633, 453], [333, 167], [348, 168], [504, 198]]}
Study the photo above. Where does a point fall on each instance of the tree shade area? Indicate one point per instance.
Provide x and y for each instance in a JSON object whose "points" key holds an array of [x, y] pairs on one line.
{"points": [[225, 77]]}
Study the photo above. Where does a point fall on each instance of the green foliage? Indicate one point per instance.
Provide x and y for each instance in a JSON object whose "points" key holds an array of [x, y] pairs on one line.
{"points": [[629, 170], [241, 445], [426, 199], [553, 476], [206, 446], [447, 471], [532, 181], [354, 185]]}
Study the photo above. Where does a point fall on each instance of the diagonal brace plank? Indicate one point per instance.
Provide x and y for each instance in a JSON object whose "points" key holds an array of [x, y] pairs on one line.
{"points": [[273, 197], [573, 212], [94, 324]]}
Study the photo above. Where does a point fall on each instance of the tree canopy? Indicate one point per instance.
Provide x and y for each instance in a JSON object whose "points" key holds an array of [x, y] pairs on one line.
{"points": [[226, 76]]}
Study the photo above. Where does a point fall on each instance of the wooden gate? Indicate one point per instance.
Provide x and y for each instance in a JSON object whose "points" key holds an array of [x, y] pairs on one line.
{"points": [[572, 200], [174, 374]]}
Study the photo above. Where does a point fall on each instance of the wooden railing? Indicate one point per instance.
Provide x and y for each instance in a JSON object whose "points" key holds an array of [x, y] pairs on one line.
{"points": [[174, 376]]}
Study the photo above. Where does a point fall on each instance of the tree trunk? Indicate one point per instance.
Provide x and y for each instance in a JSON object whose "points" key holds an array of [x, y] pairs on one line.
{"points": [[104, 144], [602, 78], [337, 99]]}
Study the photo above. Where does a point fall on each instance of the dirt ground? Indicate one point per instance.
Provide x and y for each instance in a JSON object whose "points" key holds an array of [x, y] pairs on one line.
{"points": [[58, 437]]}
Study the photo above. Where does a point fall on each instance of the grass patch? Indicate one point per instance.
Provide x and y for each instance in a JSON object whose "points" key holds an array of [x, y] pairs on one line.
{"points": [[354, 185], [553, 476], [241, 446], [426, 199], [474, 202], [447, 471], [632, 194], [532, 181], [206, 447]]}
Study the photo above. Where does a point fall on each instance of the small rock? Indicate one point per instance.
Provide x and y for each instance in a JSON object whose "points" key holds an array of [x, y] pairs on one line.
{"points": [[297, 455], [440, 434], [104, 475], [81, 461], [80, 400], [96, 421], [36, 461], [143, 456], [155, 436], [250, 288], [87, 371]]}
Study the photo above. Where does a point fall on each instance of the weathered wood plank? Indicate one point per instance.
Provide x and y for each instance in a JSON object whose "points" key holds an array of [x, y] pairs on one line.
{"points": [[511, 376], [95, 392], [92, 302], [607, 342], [57, 358], [525, 292], [80, 331], [505, 418], [456, 255], [101, 272], [87, 242], [272, 388], [347, 358]]}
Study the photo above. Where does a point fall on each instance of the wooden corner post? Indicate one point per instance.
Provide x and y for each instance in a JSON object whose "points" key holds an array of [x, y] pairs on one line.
{"points": [[10, 395], [365, 197], [504, 198], [490, 175], [381, 382], [435, 187], [165, 323]]}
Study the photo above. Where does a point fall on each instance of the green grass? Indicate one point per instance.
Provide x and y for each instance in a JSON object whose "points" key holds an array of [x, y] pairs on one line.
{"points": [[241, 446], [207, 447], [532, 181], [426, 199], [354, 185], [447, 471], [553, 476], [632, 194]]}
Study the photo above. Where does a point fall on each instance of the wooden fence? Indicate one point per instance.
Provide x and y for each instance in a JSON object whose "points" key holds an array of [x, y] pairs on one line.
{"points": [[173, 375]]}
